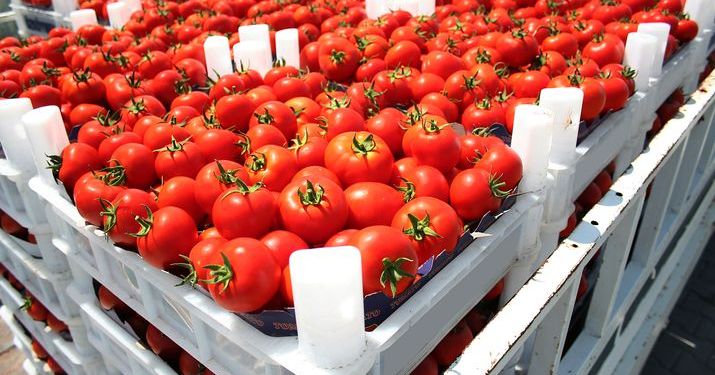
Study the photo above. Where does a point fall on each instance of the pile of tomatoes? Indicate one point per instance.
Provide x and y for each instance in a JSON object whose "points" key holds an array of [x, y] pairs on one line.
{"points": [[382, 139]]}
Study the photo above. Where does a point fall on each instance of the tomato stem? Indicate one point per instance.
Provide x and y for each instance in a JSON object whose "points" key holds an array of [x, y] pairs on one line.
{"points": [[421, 228], [313, 195], [220, 273], [392, 273]]}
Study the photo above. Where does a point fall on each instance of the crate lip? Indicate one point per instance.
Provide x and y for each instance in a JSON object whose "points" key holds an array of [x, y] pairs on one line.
{"points": [[33, 362]]}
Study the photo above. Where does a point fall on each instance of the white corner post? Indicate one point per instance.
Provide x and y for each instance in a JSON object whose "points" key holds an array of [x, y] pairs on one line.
{"points": [[531, 139], [251, 55], [639, 56], [12, 134], [329, 309], [660, 31], [82, 17], [261, 47], [375, 8], [118, 14], [218, 57], [47, 136], [287, 47]]}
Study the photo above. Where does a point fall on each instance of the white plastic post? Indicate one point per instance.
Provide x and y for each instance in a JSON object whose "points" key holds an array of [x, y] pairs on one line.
{"points": [[218, 57], [64, 7], [133, 5], [411, 6], [329, 310], [565, 104], [426, 8], [251, 54], [82, 17], [375, 8], [118, 14], [531, 139], [287, 47], [639, 55], [46, 132], [660, 30], [260, 34], [12, 135], [700, 11]]}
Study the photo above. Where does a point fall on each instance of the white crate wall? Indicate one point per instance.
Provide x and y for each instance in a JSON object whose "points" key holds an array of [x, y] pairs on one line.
{"points": [[23, 343], [681, 153]]}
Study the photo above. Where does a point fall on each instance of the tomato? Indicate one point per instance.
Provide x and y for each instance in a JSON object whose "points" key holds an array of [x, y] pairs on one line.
{"points": [[55, 324], [246, 278], [161, 345], [389, 261], [430, 224], [604, 181], [244, 211], [342, 120], [140, 106], [605, 49], [282, 244], [203, 253], [371, 203], [517, 48], [617, 92], [181, 192], [34, 309], [234, 112], [83, 87], [118, 216], [338, 59], [495, 292], [474, 193], [359, 157], [42, 95], [276, 114], [214, 179], [610, 11], [453, 344], [433, 144], [38, 350], [530, 84], [441, 63], [570, 226], [590, 196], [133, 159], [272, 166], [341, 238], [178, 159], [314, 208], [562, 42], [92, 189], [75, 160], [504, 163], [423, 181], [318, 171], [190, 366], [308, 150], [166, 235], [219, 144], [686, 30], [483, 114], [428, 366], [626, 73]]}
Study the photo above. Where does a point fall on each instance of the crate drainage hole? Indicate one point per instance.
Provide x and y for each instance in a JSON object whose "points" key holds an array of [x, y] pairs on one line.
{"points": [[574, 245], [619, 194], [594, 222]]}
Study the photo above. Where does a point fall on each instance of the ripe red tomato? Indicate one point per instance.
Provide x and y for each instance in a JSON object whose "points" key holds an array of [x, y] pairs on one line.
{"points": [[178, 159], [453, 344], [271, 165], [34, 309], [431, 225], [214, 179], [165, 236], [118, 217], [503, 163], [359, 157], [244, 211], [181, 192], [342, 120], [282, 244], [428, 366], [92, 189], [133, 159], [55, 324], [201, 255], [75, 160], [617, 92], [441, 63], [594, 95], [389, 261], [246, 277], [314, 208], [38, 350], [83, 87], [161, 345], [276, 114], [517, 48], [433, 144], [605, 49], [188, 365], [338, 58], [590, 196], [474, 193], [423, 181], [371, 203]]}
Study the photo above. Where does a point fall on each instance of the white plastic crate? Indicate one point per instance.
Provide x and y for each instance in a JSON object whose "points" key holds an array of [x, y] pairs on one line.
{"points": [[34, 21], [228, 345], [118, 348], [63, 351], [22, 342]]}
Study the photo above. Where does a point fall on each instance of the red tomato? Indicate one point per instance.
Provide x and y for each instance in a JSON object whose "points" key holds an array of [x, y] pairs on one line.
{"points": [[166, 235], [434, 144], [503, 163], [474, 193], [75, 160], [133, 159], [359, 157], [338, 59], [91, 191], [282, 244], [271, 165], [341, 238], [594, 95], [617, 92], [371, 203], [431, 225], [453, 344], [605, 49], [314, 208], [244, 211], [34, 309], [161, 345], [246, 277], [118, 217], [517, 48], [428, 366], [181, 192], [201, 255], [389, 261], [423, 181]]}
